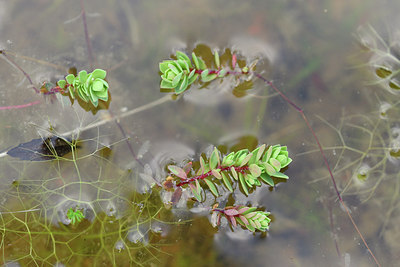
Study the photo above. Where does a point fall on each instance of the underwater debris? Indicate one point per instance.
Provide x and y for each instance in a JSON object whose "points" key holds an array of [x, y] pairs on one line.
{"points": [[42, 149]]}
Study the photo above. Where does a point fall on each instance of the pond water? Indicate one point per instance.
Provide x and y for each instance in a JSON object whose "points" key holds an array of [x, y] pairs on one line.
{"points": [[337, 60]]}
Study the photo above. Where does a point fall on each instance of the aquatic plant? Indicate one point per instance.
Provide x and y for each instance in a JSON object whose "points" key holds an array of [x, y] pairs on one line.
{"points": [[180, 73], [246, 168], [75, 215], [179, 81], [243, 166], [248, 217], [88, 86]]}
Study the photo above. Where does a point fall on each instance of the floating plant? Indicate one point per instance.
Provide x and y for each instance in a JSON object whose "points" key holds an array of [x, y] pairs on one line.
{"points": [[87, 86]]}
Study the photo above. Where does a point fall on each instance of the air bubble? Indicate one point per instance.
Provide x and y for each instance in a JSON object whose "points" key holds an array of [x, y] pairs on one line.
{"points": [[362, 172], [384, 107], [119, 245]]}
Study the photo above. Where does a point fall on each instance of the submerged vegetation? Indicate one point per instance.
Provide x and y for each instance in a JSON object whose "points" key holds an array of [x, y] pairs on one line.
{"points": [[104, 190]]}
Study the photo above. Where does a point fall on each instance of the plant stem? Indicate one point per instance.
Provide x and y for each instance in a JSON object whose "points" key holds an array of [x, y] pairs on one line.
{"points": [[15, 65], [298, 109], [209, 173]]}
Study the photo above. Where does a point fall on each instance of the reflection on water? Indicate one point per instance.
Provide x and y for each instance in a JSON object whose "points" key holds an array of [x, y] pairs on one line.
{"points": [[309, 53]]}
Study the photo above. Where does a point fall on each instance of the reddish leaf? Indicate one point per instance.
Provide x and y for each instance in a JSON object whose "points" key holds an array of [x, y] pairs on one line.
{"points": [[244, 220], [231, 212], [233, 220], [187, 167], [177, 171], [244, 209], [176, 196], [234, 60]]}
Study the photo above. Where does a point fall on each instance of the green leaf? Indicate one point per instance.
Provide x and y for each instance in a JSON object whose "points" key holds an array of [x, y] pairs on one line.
{"points": [[240, 221], [276, 151], [214, 159], [191, 74], [255, 170], [216, 173], [234, 173], [249, 210], [102, 94], [212, 187], [183, 64], [83, 96], [70, 78], [164, 65], [194, 77], [177, 79], [62, 83], [249, 179], [195, 193], [280, 175], [202, 64], [204, 74], [243, 183], [97, 85], [183, 56], [196, 61], [267, 155], [167, 85], [275, 163], [228, 159], [222, 73], [245, 160], [250, 227], [208, 78], [71, 92], [201, 170], [98, 73], [227, 181], [257, 153], [216, 59], [198, 187], [269, 169], [183, 85], [268, 179], [289, 160], [82, 76], [174, 69]]}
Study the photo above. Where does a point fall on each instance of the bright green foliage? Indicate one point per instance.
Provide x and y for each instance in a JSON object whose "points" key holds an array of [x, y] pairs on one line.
{"points": [[248, 169], [179, 74], [75, 215], [89, 87], [248, 217]]}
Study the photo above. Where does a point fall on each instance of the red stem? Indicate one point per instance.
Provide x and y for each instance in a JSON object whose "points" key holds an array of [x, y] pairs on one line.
{"points": [[209, 173], [88, 43], [20, 106], [12, 62]]}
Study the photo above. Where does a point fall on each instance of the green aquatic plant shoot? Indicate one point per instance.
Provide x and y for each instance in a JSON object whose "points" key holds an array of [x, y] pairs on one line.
{"points": [[249, 217], [247, 168], [179, 74], [88, 86], [75, 215]]}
